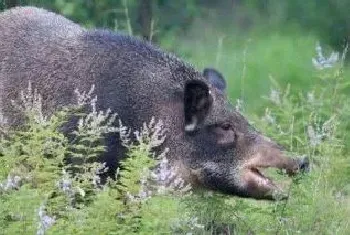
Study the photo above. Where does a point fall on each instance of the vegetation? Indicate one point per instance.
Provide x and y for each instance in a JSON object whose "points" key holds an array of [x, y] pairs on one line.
{"points": [[287, 89]]}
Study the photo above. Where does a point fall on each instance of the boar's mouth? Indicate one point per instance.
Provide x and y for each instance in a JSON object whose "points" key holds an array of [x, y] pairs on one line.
{"points": [[259, 186]]}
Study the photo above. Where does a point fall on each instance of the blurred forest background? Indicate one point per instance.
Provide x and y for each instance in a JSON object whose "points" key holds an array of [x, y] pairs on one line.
{"points": [[287, 70], [270, 37]]}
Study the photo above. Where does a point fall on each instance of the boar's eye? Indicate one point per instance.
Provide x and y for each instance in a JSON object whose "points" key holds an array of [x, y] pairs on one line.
{"points": [[225, 134], [226, 126]]}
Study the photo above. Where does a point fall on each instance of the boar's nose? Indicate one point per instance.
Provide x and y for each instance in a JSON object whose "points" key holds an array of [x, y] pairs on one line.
{"points": [[304, 165]]}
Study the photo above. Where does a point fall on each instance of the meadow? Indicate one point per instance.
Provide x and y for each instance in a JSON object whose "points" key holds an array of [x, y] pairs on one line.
{"points": [[289, 85]]}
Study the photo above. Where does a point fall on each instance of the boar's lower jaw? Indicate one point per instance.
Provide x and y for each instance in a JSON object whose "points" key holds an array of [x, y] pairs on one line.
{"points": [[258, 186]]}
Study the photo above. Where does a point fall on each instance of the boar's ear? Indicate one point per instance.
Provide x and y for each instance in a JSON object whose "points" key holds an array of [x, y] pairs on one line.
{"points": [[197, 102], [215, 78]]}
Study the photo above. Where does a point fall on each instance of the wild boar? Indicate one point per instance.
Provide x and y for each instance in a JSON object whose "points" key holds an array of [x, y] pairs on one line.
{"points": [[214, 146]]}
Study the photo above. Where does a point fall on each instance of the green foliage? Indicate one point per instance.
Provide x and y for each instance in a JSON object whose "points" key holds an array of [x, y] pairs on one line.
{"points": [[67, 199], [32, 161], [327, 18], [248, 58], [313, 124]]}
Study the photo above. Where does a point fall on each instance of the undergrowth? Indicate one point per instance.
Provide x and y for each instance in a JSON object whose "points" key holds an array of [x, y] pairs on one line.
{"points": [[40, 193]]}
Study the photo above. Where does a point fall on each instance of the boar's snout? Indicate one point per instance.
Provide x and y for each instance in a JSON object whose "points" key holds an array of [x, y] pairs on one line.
{"points": [[266, 155]]}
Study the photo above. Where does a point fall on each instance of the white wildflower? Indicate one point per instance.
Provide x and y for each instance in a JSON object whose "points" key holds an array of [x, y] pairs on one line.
{"points": [[66, 185], [317, 132], [152, 134], [190, 223], [12, 182], [96, 179], [98, 123], [31, 103], [311, 97], [124, 134], [268, 118], [84, 98], [275, 96], [45, 221], [95, 122], [321, 62], [315, 137], [167, 180], [239, 105], [3, 120]]}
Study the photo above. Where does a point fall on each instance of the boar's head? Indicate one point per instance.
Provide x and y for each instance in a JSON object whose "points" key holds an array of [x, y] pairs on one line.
{"points": [[222, 150]]}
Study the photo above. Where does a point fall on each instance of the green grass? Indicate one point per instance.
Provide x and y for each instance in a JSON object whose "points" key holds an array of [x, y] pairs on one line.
{"points": [[249, 58]]}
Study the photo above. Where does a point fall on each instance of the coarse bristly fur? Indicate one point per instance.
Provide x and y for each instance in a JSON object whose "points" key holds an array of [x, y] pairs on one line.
{"points": [[214, 145]]}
